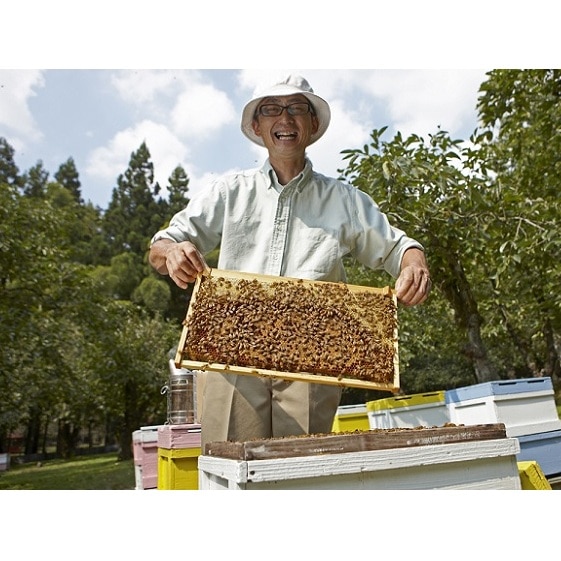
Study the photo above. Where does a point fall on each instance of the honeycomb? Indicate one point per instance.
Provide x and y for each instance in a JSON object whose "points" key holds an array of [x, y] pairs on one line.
{"points": [[297, 326]]}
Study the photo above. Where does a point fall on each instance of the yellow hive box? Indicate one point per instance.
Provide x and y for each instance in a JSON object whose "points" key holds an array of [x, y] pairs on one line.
{"points": [[350, 418], [178, 469], [532, 477], [406, 400]]}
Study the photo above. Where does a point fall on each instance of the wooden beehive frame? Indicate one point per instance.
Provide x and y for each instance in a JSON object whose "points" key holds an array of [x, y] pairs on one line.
{"points": [[183, 360]]}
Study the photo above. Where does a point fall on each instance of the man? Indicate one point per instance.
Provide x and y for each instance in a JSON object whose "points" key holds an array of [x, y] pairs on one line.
{"points": [[283, 219]]}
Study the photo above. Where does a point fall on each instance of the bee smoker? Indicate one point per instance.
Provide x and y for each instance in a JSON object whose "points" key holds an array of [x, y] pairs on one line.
{"points": [[181, 393]]}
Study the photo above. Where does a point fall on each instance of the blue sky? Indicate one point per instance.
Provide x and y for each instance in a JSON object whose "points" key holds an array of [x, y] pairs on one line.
{"points": [[192, 117]]}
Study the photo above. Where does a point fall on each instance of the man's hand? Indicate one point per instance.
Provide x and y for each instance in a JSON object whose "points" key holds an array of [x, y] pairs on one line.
{"points": [[181, 261], [413, 284]]}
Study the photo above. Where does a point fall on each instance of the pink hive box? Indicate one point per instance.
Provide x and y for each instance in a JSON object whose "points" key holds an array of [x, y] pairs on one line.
{"points": [[145, 453], [179, 436]]}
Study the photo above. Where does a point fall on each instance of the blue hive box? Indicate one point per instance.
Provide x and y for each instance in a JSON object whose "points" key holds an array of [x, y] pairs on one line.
{"points": [[502, 387], [526, 406], [544, 448]]}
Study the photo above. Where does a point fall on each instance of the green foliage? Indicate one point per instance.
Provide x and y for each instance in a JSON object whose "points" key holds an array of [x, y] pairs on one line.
{"points": [[154, 294], [35, 181], [427, 190], [67, 176], [487, 212], [87, 339], [178, 188], [9, 172], [134, 213]]}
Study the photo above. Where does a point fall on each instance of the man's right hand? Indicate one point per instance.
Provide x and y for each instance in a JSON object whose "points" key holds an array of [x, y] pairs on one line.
{"points": [[181, 261]]}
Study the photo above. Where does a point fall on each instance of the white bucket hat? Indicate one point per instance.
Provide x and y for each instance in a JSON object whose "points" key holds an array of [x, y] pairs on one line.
{"points": [[289, 86]]}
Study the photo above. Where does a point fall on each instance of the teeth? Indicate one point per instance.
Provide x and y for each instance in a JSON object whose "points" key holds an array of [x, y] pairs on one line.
{"points": [[285, 134]]}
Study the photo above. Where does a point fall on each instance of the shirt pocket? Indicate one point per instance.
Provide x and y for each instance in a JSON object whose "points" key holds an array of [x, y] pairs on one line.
{"points": [[316, 253]]}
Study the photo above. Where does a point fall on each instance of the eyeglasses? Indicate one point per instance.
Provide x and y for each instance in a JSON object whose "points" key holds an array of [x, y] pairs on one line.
{"points": [[274, 110]]}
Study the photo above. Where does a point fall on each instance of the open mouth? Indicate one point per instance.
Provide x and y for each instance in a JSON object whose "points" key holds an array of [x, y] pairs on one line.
{"points": [[285, 135]]}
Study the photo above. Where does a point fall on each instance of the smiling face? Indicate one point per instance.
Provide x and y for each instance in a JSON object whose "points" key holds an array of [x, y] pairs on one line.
{"points": [[285, 135]]}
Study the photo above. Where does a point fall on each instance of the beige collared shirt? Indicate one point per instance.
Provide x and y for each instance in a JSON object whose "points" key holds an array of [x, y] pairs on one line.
{"points": [[303, 229]]}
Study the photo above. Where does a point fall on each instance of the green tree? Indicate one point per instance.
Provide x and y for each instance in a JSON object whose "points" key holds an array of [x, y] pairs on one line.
{"points": [[522, 111], [429, 189], [134, 213], [66, 343], [130, 361], [9, 172], [154, 295], [67, 176], [37, 285], [178, 188], [35, 181]]}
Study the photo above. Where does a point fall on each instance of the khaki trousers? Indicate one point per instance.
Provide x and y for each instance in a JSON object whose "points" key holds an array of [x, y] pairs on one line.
{"points": [[241, 408]]}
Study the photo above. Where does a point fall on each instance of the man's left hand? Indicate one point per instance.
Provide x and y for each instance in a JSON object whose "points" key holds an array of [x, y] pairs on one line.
{"points": [[413, 284]]}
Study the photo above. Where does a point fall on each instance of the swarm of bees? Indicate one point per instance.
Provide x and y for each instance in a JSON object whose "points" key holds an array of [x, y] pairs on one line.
{"points": [[293, 326]]}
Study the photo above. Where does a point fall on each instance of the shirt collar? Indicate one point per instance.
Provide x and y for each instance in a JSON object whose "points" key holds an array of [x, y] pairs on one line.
{"points": [[297, 183]]}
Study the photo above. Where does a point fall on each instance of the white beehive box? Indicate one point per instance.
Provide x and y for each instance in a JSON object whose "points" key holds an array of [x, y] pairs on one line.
{"points": [[469, 464], [409, 411], [4, 462], [525, 406]]}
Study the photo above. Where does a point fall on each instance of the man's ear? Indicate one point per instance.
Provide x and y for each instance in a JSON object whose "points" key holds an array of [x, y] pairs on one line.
{"points": [[255, 126], [315, 124]]}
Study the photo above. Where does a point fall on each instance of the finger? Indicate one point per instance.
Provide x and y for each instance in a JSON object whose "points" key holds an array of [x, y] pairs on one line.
{"points": [[195, 260], [413, 289]]}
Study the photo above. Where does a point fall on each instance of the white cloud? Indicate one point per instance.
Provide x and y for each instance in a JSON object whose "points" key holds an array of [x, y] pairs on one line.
{"points": [[166, 150], [201, 110], [16, 88], [420, 101], [183, 99], [346, 130], [143, 87]]}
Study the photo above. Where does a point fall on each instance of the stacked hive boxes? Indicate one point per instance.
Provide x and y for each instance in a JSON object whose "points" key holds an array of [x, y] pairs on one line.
{"points": [[179, 448], [145, 453], [408, 411], [527, 409]]}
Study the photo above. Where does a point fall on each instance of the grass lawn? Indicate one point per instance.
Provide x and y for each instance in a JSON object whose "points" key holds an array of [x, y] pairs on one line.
{"points": [[102, 472]]}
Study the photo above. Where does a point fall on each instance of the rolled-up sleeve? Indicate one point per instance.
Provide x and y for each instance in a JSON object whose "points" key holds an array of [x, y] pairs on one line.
{"points": [[200, 222], [378, 245]]}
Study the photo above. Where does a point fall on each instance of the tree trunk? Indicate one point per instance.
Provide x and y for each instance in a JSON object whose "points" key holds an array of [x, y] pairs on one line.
{"points": [[33, 432], [521, 346], [67, 438], [131, 420], [484, 370], [457, 290], [552, 367]]}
